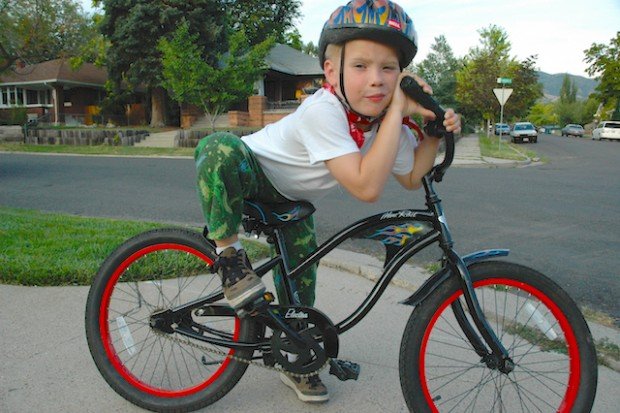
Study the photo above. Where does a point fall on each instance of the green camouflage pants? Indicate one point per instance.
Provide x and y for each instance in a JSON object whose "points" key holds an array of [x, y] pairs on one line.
{"points": [[228, 174]]}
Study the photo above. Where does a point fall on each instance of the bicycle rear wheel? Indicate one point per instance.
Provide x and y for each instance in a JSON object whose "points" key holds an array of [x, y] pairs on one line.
{"points": [[167, 372], [537, 322]]}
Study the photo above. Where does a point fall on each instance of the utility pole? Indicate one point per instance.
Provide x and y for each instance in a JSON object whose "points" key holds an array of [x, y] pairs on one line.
{"points": [[502, 96]]}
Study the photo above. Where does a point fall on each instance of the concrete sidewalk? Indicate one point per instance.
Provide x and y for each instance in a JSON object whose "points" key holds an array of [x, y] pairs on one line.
{"points": [[467, 154], [45, 364]]}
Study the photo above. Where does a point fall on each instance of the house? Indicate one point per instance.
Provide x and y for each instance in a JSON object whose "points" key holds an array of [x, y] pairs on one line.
{"points": [[52, 92], [290, 72]]}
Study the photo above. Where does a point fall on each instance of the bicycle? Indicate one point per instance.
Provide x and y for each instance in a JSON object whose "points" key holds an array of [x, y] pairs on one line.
{"points": [[484, 334]]}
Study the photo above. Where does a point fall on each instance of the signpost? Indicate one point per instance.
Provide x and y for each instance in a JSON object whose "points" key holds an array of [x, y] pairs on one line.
{"points": [[502, 96]]}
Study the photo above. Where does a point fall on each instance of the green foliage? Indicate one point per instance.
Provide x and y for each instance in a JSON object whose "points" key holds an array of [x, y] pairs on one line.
{"points": [[568, 92], [604, 62], [477, 78], [213, 88], [543, 114], [14, 116], [438, 69], [293, 39], [36, 31], [311, 49], [134, 29], [260, 20]]}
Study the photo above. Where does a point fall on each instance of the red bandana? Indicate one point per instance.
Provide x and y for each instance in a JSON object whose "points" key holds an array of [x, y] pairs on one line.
{"points": [[355, 121]]}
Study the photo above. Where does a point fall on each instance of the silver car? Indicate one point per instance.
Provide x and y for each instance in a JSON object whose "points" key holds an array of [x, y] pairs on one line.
{"points": [[523, 130], [572, 130], [607, 130]]}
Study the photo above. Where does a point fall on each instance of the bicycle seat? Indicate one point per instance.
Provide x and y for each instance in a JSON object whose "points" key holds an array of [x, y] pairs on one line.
{"points": [[277, 214]]}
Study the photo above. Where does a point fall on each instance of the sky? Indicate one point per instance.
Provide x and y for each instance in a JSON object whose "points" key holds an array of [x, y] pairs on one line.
{"points": [[558, 31]]}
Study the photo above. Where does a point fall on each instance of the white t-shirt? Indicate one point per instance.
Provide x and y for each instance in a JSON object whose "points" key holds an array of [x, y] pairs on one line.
{"points": [[293, 151]]}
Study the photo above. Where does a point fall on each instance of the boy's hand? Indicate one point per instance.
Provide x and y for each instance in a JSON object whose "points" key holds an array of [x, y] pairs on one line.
{"points": [[408, 106], [452, 121]]}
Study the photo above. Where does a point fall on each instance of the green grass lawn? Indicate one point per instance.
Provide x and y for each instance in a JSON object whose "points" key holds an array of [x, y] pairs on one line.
{"points": [[97, 150], [45, 249], [490, 147]]}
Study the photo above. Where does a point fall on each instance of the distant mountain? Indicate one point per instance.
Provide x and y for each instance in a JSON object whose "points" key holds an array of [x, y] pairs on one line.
{"points": [[553, 83]]}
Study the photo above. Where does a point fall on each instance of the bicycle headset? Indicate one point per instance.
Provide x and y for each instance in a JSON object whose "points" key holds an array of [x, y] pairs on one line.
{"points": [[380, 20]]}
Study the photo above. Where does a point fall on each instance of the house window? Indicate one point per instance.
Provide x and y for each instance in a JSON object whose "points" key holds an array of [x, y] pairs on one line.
{"points": [[32, 97], [15, 96], [19, 96]]}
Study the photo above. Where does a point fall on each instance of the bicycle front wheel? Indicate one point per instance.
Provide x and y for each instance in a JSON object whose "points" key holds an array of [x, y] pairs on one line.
{"points": [[537, 322], [162, 371]]}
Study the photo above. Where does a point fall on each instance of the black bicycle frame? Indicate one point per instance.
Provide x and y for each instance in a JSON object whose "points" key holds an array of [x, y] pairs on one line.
{"points": [[434, 230]]}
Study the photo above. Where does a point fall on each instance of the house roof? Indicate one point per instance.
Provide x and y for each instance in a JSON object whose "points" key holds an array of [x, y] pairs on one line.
{"points": [[283, 58], [59, 71]]}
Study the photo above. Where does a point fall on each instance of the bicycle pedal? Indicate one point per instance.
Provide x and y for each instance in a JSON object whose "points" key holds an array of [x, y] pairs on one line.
{"points": [[256, 306], [344, 370]]}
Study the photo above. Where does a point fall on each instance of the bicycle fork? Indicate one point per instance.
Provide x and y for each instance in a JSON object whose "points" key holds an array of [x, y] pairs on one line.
{"points": [[498, 357]]}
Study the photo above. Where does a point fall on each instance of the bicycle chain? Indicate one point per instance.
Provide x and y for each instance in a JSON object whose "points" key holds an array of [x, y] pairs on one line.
{"points": [[246, 361]]}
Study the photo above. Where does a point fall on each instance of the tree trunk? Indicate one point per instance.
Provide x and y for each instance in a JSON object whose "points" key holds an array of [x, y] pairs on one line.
{"points": [[157, 107]]}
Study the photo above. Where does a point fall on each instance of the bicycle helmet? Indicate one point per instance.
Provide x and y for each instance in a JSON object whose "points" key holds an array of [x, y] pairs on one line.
{"points": [[380, 20]]}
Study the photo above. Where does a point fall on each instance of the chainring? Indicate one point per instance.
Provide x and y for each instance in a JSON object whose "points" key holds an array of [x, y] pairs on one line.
{"points": [[316, 328]]}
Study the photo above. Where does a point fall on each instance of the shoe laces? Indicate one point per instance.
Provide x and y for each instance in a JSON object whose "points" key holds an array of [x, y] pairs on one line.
{"points": [[233, 267], [314, 381]]}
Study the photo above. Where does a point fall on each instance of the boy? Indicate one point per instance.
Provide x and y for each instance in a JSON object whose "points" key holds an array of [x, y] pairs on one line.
{"points": [[350, 133]]}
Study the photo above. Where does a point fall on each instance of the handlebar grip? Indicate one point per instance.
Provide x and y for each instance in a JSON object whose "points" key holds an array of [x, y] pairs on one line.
{"points": [[433, 128], [415, 91]]}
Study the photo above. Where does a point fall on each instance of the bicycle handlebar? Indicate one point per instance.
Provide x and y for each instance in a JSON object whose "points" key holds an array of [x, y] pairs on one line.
{"points": [[433, 128]]}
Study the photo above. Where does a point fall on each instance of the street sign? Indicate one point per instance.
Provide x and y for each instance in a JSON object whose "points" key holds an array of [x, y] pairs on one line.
{"points": [[504, 80], [502, 95]]}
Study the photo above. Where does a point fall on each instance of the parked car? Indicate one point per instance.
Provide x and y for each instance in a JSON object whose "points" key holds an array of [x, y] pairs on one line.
{"points": [[502, 127], [524, 130], [607, 130], [573, 130]]}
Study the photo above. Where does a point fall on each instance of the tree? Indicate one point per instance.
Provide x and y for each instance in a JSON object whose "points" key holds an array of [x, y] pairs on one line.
{"points": [[212, 87], [311, 49], [526, 88], [263, 19], [439, 69], [477, 78], [568, 92], [543, 114], [35, 31], [134, 29], [604, 63]]}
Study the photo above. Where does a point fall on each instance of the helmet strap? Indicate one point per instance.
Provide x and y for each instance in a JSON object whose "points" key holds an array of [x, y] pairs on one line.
{"points": [[370, 119]]}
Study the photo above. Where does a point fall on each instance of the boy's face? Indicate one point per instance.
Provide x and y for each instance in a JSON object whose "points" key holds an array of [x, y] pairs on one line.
{"points": [[371, 72]]}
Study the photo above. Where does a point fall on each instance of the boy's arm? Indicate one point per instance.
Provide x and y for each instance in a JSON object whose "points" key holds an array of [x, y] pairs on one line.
{"points": [[364, 176], [424, 159], [426, 152]]}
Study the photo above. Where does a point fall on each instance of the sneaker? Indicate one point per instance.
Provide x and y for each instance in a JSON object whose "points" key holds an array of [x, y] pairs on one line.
{"points": [[240, 283], [310, 389]]}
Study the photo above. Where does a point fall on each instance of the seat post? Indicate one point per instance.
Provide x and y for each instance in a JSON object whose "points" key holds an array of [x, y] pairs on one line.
{"points": [[289, 284]]}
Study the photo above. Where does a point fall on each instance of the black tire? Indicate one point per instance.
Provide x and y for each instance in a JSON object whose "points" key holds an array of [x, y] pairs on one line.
{"points": [[151, 272], [536, 322]]}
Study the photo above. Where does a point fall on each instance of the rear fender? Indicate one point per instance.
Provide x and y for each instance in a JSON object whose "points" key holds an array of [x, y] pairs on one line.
{"points": [[438, 278]]}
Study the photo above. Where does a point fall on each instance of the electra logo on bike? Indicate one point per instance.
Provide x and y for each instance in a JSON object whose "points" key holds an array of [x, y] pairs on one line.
{"points": [[299, 315]]}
